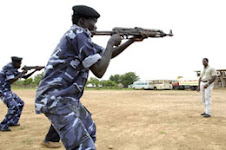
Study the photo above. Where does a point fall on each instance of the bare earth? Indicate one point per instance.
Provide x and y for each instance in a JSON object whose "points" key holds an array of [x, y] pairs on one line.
{"points": [[132, 120]]}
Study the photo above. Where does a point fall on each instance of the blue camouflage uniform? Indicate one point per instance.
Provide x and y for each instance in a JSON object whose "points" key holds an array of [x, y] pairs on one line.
{"points": [[11, 100], [62, 86]]}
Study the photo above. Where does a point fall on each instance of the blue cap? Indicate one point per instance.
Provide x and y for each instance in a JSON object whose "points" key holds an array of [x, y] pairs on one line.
{"points": [[15, 58]]}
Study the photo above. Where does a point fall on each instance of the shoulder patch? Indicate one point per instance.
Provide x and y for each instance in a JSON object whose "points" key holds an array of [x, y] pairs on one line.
{"points": [[71, 35]]}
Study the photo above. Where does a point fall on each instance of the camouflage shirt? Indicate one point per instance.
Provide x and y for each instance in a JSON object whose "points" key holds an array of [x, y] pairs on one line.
{"points": [[66, 72], [7, 73]]}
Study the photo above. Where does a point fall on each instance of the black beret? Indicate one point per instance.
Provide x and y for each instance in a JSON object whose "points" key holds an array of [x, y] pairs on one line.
{"points": [[85, 11], [14, 58]]}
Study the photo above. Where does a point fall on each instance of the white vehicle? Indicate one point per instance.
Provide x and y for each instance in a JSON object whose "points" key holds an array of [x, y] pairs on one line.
{"points": [[162, 84], [145, 85], [188, 84]]}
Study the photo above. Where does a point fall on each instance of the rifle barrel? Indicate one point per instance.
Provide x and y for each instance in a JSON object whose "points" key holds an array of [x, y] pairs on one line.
{"points": [[102, 32], [32, 67]]}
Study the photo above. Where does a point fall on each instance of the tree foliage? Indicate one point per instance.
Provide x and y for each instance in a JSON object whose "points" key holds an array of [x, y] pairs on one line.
{"points": [[94, 81], [108, 84], [128, 78], [38, 78], [29, 81], [115, 81], [116, 78], [125, 79]]}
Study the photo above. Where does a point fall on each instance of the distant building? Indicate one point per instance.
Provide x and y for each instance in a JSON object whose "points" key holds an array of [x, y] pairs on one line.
{"points": [[220, 81]]}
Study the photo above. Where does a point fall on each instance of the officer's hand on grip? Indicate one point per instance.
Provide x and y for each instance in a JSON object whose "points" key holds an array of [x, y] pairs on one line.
{"points": [[24, 71], [115, 40]]}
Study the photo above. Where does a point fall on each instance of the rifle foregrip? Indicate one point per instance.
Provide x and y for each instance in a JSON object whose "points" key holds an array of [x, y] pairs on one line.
{"points": [[32, 67]]}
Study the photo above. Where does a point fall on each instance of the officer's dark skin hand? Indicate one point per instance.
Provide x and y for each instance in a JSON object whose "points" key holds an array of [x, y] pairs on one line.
{"points": [[115, 40], [24, 71]]}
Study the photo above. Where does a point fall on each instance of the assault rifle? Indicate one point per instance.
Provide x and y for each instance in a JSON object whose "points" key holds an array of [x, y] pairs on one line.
{"points": [[32, 67], [134, 33]]}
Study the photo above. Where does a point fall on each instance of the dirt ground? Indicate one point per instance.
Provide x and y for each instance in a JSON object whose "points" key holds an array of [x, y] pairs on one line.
{"points": [[132, 120]]}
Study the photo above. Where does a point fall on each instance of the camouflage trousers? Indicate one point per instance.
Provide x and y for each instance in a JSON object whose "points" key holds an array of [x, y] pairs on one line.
{"points": [[77, 129], [15, 106]]}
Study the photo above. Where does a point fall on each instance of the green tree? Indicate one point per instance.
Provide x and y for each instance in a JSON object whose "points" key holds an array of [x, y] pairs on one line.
{"points": [[94, 81], [19, 82], [28, 81], [108, 84], [116, 78], [38, 78], [128, 78]]}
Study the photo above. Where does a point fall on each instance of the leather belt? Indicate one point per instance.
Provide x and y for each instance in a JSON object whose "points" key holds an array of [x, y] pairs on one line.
{"points": [[204, 81]]}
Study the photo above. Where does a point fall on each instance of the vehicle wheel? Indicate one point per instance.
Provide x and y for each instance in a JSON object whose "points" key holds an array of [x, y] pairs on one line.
{"points": [[181, 88], [192, 88], [176, 87]]}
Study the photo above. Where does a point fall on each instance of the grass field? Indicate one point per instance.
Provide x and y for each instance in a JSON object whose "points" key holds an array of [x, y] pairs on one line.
{"points": [[132, 120]]}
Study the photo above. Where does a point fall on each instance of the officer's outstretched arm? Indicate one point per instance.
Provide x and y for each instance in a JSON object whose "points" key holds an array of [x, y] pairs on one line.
{"points": [[17, 77], [28, 75], [122, 47], [100, 67]]}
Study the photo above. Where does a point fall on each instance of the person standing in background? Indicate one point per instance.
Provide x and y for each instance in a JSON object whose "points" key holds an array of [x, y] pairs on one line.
{"points": [[206, 84]]}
